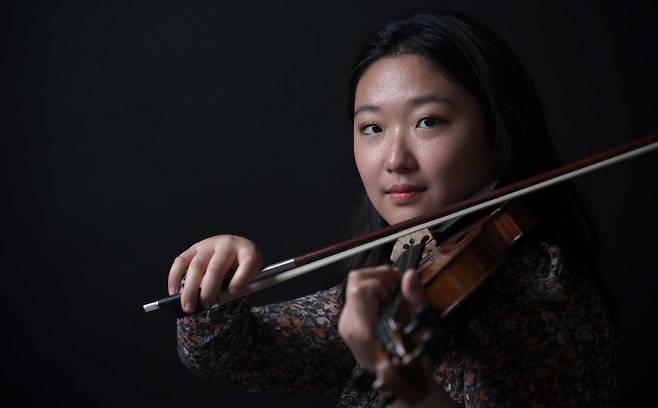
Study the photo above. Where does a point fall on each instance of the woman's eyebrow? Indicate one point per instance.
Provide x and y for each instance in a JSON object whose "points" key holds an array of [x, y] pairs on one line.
{"points": [[429, 98], [367, 108], [415, 101]]}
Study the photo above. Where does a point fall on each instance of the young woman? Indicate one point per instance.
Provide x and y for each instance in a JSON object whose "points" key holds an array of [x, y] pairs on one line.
{"points": [[441, 108]]}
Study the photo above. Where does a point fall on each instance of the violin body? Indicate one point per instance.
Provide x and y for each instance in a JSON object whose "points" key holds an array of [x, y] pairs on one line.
{"points": [[466, 259], [452, 272]]}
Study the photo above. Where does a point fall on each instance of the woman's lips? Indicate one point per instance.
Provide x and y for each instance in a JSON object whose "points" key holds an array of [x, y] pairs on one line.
{"points": [[402, 193]]}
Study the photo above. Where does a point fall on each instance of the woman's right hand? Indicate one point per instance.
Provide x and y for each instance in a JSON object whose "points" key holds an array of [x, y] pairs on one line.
{"points": [[207, 263]]}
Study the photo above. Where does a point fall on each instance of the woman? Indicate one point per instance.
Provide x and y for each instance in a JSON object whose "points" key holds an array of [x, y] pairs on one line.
{"points": [[441, 109]]}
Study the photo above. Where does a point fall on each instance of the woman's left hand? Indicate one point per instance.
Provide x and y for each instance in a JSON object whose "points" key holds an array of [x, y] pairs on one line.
{"points": [[367, 290]]}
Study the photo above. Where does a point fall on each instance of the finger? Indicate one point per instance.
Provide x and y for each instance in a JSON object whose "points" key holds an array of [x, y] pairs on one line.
{"points": [[412, 290], [220, 263], [391, 286], [389, 272], [193, 280], [378, 270], [388, 275], [249, 263], [364, 291], [178, 269]]}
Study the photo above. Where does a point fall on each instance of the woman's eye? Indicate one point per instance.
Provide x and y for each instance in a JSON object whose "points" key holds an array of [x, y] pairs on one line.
{"points": [[428, 122], [370, 129]]}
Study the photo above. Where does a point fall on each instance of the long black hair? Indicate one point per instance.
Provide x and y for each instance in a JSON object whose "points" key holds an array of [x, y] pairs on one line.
{"points": [[473, 56]]}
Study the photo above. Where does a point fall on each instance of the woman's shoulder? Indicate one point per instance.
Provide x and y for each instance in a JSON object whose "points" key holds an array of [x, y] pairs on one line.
{"points": [[542, 296], [539, 325], [538, 271]]}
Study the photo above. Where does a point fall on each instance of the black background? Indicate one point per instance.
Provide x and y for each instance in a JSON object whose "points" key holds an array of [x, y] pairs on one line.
{"points": [[135, 129]]}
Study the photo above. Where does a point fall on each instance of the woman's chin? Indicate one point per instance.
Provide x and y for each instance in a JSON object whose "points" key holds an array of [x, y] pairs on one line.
{"points": [[403, 214]]}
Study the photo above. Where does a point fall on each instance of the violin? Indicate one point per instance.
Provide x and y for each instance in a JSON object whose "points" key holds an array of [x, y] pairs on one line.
{"points": [[451, 271]]}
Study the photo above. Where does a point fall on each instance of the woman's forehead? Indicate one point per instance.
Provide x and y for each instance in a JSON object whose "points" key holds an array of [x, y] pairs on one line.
{"points": [[406, 79]]}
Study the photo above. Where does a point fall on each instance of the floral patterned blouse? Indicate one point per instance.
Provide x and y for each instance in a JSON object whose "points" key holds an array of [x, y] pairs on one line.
{"points": [[539, 335]]}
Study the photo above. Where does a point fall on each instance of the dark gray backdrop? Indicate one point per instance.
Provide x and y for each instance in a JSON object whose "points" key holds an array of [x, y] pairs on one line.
{"points": [[138, 128]]}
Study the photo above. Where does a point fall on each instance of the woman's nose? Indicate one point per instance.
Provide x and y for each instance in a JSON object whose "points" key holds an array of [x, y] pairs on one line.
{"points": [[401, 158]]}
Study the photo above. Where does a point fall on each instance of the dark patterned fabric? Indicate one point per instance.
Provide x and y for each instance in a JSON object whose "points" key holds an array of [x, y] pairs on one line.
{"points": [[538, 335]]}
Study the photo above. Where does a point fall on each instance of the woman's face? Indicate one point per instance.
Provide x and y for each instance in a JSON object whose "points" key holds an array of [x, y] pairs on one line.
{"points": [[420, 140]]}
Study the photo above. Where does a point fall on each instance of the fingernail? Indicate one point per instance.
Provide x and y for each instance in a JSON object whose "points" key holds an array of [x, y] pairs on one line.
{"points": [[188, 307], [414, 278]]}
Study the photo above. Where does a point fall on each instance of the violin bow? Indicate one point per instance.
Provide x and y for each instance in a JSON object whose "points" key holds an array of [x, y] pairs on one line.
{"points": [[295, 267]]}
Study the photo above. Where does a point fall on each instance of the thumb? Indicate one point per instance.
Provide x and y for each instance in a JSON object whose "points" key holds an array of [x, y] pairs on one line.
{"points": [[412, 290]]}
